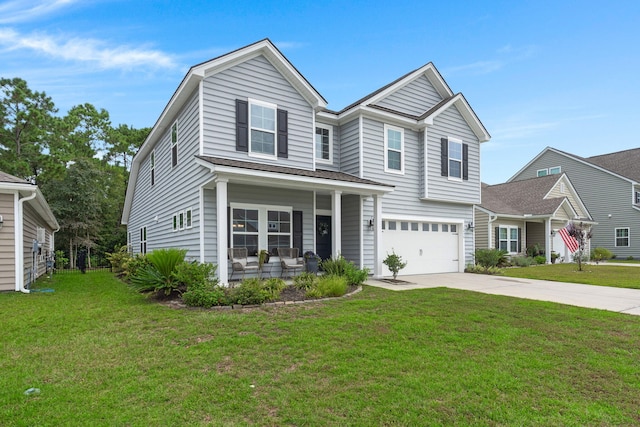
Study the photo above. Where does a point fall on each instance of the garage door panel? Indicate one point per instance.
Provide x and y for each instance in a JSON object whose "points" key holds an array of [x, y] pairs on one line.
{"points": [[424, 251]]}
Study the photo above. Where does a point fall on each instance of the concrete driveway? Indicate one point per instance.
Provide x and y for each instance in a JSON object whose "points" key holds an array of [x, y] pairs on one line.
{"points": [[601, 297]]}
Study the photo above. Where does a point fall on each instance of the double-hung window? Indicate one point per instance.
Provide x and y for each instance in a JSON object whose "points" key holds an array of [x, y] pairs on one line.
{"points": [[622, 237], [174, 145], [324, 144], [455, 159], [143, 240], [153, 167], [508, 239], [393, 149], [257, 227], [262, 119]]}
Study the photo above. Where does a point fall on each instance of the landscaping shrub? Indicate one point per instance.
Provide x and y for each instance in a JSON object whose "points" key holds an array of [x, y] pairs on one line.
{"points": [[158, 276], [305, 281], [540, 259], [394, 263], [332, 286], [601, 254], [491, 257], [248, 292], [521, 261]]}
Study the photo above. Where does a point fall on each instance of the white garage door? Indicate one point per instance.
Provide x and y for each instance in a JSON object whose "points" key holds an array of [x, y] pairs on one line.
{"points": [[426, 247]]}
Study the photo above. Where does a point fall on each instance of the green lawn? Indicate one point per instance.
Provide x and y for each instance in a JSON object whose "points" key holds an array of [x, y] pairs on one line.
{"points": [[602, 274], [103, 355]]}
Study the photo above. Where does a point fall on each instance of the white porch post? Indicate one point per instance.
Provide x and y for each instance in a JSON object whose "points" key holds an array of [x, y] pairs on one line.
{"points": [[547, 240], [336, 223], [222, 220], [377, 237]]}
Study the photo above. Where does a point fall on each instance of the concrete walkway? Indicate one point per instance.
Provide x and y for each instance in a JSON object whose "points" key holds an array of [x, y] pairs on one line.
{"points": [[601, 297]]}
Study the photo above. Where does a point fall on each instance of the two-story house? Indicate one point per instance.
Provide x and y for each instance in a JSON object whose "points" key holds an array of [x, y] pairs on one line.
{"points": [[609, 186], [246, 154]]}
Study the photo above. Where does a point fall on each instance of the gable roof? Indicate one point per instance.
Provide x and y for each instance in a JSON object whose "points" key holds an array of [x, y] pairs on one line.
{"points": [[623, 164], [448, 99], [525, 197]]}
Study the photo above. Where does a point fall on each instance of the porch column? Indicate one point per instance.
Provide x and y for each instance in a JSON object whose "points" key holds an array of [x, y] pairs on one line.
{"points": [[336, 223], [377, 237], [222, 231], [547, 240]]}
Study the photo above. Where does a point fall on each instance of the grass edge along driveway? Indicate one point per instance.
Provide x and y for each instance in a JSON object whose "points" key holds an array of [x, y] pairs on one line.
{"points": [[103, 355]]}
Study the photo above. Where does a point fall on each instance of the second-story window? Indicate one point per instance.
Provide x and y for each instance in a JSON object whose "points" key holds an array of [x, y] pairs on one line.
{"points": [[393, 149], [323, 144], [263, 128], [174, 145], [153, 167]]}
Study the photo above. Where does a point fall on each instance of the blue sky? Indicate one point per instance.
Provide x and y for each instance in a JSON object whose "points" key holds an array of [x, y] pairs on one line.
{"points": [[540, 73]]}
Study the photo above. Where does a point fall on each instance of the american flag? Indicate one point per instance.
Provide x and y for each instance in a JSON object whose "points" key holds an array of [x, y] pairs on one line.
{"points": [[571, 242]]}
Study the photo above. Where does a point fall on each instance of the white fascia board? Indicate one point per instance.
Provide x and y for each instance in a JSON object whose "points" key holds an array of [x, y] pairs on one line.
{"points": [[467, 113], [266, 178]]}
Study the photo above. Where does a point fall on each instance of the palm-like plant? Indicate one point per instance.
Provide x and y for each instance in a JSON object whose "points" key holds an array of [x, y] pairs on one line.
{"points": [[158, 276]]}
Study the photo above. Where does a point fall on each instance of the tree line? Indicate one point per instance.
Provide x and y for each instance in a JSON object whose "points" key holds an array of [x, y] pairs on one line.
{"points": [[79, 160]]}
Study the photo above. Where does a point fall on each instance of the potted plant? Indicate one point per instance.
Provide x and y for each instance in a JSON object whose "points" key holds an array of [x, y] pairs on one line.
{"points": [[311, 260], [263, 257], [554, 256]]}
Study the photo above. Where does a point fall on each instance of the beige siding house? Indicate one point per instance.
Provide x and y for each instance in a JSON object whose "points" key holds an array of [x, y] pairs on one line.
{"points": [[27, 228], [517, 215]]}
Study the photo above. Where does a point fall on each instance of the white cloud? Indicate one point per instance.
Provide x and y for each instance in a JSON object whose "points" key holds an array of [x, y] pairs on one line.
{"points": [[86, 51], [26, 10]]}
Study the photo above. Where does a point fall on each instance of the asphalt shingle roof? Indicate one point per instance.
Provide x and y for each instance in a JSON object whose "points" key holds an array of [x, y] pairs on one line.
{"points": [[318, 173], [521, 197]]}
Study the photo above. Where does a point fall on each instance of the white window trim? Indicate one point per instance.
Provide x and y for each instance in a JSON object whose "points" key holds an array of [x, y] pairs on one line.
{"points": [[174, 143], [454, 178], [188, 213], [330, 129], [387, 128], [615, 237], [275, 129], [263, 221], [509, 240], [152, 167]]}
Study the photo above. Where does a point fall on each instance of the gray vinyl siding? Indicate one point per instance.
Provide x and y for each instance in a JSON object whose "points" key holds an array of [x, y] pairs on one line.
{"points": [[368, 234], [351, 228], [450, 123], [335, 165], [414, 98], [176, 189], [7, 243], [481, 230], [258, 79], [350, 148], [603, 194]]}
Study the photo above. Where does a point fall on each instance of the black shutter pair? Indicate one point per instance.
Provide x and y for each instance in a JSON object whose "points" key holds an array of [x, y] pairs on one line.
{"points": [[242, 129], [444, 159]]}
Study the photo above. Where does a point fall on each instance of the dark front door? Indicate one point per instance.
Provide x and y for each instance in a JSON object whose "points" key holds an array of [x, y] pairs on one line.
{"points": [[323, 236]]}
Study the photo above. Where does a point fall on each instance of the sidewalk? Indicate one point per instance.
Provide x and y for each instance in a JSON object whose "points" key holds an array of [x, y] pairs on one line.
{"points": [[601, 297]]}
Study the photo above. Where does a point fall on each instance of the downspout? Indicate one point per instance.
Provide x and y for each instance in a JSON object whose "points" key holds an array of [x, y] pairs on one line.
{"points": [[20, 229]]}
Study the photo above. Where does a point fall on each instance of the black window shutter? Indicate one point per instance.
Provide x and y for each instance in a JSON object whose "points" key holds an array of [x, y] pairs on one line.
{"points": [[444, 157], [242, 125], [297, 231], [283, 134], [497, 238], [465, 162], [519, 240]]}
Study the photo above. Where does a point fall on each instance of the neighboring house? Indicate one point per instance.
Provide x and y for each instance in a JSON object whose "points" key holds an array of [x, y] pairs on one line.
{"points": [[246, 154], [521, 214], [27, 228], [609, 186]]}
